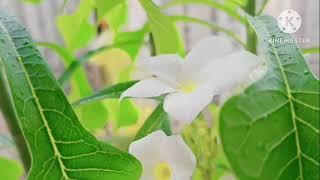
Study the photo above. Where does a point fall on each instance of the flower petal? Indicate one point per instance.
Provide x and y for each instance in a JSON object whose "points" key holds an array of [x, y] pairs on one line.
{"points": [[205, 51], [181, 158], [157, 148], [230, 71], [186, 106], [151, 87], [166, 67], [147, 151]]}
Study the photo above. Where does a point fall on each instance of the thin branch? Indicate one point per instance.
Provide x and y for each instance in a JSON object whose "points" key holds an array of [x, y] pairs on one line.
{"points": [[210, 25], [264, 5]]}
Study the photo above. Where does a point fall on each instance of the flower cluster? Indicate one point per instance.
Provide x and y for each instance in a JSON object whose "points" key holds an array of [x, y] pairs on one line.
{"points": [[188, 86]]}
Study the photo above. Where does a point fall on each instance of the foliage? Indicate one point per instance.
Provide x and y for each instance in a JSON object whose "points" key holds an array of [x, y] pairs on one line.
{"points": [[61, 148], [268, 131], [271, 131]]}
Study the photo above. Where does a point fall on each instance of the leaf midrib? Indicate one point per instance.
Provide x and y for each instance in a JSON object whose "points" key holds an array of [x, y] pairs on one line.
{"points": [[290, 98], [40, 109]]}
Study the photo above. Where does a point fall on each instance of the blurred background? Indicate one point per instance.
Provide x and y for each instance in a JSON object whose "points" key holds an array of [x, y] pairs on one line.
{"points": [[40, 20]]}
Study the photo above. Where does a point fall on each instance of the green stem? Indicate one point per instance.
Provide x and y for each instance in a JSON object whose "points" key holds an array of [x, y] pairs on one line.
{"points": [[214, 4], [209, 25], [251, 35], [264, 5], [153, 47], [312, 50], [11, 118]]}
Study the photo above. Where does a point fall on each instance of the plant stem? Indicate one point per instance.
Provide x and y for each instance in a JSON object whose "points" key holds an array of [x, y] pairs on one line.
{"points": [[209, 25], [251, 35], [153, 47], [12, 120], [264, 4]]}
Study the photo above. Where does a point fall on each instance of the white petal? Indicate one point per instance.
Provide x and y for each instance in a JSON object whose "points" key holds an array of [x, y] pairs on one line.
{"points": [[181, 158], [147, 151], [165, 67], [151, 87], [159, 148], [185, 107], [205, 51], [229, 72]]}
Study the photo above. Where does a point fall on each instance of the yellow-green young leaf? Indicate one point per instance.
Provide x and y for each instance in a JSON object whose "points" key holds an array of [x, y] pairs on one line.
{"points": [[271, 130], [117, 17], [60, 147], [10, 169], [166, 37], [75, 28], [103, 6]]}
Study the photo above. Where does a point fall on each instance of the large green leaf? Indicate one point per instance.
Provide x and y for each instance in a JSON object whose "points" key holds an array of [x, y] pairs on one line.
{"points": [[271, 130], [61, 148], [165, 34], [10, 169]]}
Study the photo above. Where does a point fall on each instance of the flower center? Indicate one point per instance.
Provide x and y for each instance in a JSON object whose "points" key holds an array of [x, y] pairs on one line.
{"points": [[188, 87], [162, 171]]}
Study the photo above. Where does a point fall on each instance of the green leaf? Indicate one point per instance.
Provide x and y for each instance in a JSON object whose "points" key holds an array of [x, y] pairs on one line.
{"points": [[113, 91], [80, 87], [10, 169], [103, 6], [117, 17], [271, 130], [61, 148], [159, 119], [75, 28], [166, 36]]}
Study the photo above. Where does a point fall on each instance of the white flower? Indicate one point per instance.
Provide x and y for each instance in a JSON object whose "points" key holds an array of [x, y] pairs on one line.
{"points": [[209, 69], [164, 157]]}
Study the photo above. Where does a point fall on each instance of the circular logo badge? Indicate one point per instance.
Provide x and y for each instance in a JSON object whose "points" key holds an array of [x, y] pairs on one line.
{"points": [[289, 21]]}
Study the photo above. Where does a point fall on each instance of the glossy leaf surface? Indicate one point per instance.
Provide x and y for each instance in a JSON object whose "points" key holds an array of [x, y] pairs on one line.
{"points": [[61, 148], [271, 130]]}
